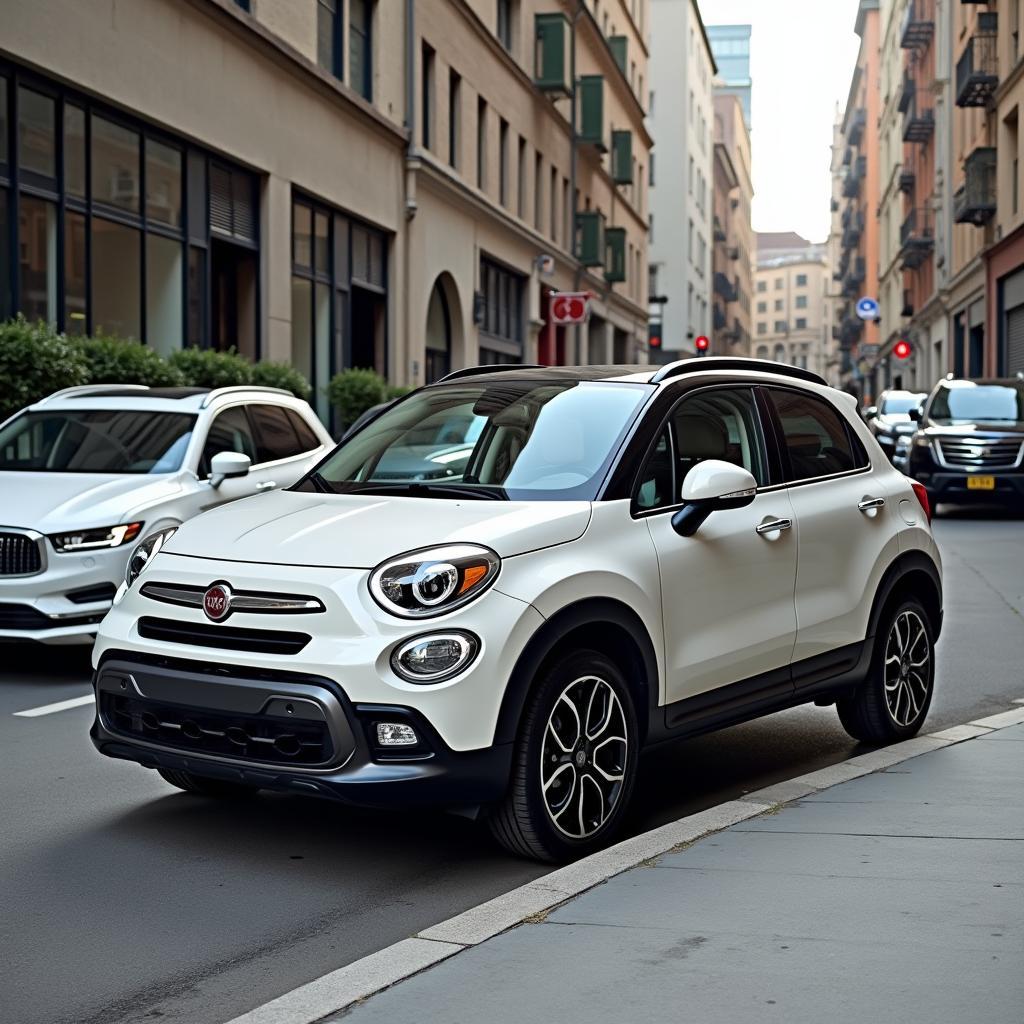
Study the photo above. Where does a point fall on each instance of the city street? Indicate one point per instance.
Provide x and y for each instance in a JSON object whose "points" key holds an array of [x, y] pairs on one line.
{"points": [[122, 900]]}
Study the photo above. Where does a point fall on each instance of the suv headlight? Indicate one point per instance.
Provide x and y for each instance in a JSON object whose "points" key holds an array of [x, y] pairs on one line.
{"points": [[433, 581], [90, 540], [145, 552]]}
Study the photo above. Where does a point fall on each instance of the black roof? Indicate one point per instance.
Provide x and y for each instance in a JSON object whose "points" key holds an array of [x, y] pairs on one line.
{"points": [[119, 392]]}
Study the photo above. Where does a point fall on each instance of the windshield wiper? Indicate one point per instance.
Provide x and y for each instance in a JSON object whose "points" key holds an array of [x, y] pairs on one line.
{"points": [[417, 489]]}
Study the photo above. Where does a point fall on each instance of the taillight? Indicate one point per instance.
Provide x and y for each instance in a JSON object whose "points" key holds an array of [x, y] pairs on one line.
{"points": [[922, 496]]}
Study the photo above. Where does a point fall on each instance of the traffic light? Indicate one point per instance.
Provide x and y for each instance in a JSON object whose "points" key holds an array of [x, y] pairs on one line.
{"points": [[702, 344], [902, 349], [654, 335]]}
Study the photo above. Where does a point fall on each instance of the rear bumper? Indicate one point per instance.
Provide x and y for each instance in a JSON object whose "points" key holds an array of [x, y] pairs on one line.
{"points": [[166, 713]]}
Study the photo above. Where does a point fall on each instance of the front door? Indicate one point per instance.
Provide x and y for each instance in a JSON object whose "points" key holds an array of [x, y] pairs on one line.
{"points": [[727, 591]]}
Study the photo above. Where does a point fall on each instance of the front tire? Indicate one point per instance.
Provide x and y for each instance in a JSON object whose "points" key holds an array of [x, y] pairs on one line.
{"points": [[575, 762], [892, 703], [198, 785]]}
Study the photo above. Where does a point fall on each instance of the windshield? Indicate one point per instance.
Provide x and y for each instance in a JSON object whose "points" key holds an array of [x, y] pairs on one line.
{"points": [[95, 441], [900, 404], [971, 403], [515, 440]]}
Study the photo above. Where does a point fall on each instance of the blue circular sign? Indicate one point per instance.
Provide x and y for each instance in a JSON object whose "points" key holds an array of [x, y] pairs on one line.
{"points": [[867, 309]]}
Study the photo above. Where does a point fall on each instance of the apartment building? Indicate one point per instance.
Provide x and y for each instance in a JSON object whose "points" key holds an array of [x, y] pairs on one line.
{"points": [[791, 290], [730, 47], [839, 362], [331, 183], [681, 117], [732, 254]]}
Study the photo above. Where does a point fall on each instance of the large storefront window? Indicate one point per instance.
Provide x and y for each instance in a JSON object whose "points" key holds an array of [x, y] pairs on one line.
{"points": [[501, 333], [339, 295], [95, 235]]}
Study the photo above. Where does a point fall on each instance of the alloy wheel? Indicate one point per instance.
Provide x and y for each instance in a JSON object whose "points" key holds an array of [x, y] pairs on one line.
{"points": [[907, 668], [583, 757]]}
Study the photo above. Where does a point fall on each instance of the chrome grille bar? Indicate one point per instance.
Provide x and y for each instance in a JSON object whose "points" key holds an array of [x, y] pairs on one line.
{"points": [[980, 453], [241, 600]]}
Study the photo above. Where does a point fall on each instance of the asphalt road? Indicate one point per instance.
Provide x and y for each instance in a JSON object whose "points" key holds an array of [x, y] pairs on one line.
{"points": [[122, 900]]}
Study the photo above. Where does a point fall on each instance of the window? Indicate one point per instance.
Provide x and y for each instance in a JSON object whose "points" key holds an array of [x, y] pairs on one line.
{"points": [[779, 283], [762, 286], [780, 327], [762, 307], [778, 305], [503, 161], [817, 442], [454, 117], [328, 36], [801, 323], [553, 191], [762, 328], [360, 47], [74, 151], [37, 135], [37, 251], [115, 165], [275, 436], [689, 180], [801, 280], [504, 26], [521, 180], [650, 167], [720, 424], [538, 186], [481, 143], [427, 96], [229, 432], [762, 351], [501, 333], [303, 431], [801, 302]]}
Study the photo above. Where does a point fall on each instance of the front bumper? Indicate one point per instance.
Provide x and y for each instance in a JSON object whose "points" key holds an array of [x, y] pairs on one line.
{"points": [[290, 732], [952, 487]]}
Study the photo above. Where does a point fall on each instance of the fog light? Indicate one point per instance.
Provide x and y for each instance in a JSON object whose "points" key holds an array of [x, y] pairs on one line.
{"points": [[396, 734], [435, 657]]}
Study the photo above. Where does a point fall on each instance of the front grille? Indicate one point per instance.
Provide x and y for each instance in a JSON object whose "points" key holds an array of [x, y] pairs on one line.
{"points": [[975, 453], [24, 616], [19, 555], [229, 638], [267, 739]]}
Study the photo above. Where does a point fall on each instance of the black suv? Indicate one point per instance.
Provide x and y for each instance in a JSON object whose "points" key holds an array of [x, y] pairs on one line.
{"points": [[970, 441]]}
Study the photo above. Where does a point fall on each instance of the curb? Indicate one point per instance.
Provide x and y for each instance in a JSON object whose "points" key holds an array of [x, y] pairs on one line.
{"points": [[333, 992]]}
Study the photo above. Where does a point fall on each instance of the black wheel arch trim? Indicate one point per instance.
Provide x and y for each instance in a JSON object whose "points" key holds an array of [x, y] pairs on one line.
{"points": [[904, 565]]}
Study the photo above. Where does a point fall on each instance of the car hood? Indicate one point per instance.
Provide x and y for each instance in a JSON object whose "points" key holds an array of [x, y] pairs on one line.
{"points": [[59, 501], [898, 423], [981, 427], [360, 531]]}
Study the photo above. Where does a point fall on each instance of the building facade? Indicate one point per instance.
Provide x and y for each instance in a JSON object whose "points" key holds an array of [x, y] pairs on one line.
{"points": [[681, 117], [791, 315], [730, 46], [329, 183], [838, 360]]}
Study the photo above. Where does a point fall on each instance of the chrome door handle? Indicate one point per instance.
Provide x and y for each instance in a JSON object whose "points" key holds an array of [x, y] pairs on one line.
{"points": [[773, 526], [870, 503], [266, 485]]}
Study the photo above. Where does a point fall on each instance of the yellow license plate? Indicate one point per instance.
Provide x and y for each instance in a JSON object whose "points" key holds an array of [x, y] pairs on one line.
{"points": [[981, 483]]}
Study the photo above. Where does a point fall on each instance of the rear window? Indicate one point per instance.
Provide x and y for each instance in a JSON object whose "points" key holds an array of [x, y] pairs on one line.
{"points": [[307, 439], [275, 436], [816, 441]]}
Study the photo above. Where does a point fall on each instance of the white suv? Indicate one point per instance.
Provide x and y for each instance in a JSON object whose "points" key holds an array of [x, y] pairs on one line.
{"points": [[88, 472], [618, 557]]}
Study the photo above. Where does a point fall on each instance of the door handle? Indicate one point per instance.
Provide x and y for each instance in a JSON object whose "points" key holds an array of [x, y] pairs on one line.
{"points": [[266, 485], [869, 504], [773, 526]]}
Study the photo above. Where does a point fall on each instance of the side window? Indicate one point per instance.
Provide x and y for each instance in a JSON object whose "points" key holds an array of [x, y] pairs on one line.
{"points": [[229, 432], [816, 440], [307, 439], [717, 424], [275, 438]]}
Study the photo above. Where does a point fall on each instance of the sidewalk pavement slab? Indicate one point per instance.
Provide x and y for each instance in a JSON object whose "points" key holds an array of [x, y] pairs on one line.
{"points": [[892, 896]]}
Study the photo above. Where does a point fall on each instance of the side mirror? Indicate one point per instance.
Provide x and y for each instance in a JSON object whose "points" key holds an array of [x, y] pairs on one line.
{"points": [[871, 412], [712, 486], [916, 414], [225, 465]]}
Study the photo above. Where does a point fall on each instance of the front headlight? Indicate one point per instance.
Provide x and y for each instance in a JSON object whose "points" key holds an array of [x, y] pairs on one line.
{"points": [[922, 441], [433, 581], [145, 552], [90, 540]]}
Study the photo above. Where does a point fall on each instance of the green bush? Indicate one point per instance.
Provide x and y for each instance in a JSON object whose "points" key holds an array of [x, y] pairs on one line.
{"points": [[396, 391], [352, 392], [208, 368], [117, 361], [281, 375], [35, 361]]}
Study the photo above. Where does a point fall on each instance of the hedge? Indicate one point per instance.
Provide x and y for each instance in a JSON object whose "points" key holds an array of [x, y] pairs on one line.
{"points": [[36, 361]]}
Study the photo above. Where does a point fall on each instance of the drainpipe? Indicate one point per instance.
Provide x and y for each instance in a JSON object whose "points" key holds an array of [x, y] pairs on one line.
{"points": [[411, 373], [572, 170]]}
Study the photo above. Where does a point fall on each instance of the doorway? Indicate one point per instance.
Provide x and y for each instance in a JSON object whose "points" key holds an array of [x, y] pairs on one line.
{"points": [[369, 311], [233, 297]]}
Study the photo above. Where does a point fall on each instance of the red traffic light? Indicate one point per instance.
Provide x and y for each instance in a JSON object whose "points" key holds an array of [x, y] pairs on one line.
{"points": [[702, 343], [902, 349]]}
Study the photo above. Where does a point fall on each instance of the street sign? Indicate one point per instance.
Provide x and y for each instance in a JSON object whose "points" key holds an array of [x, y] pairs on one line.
{"points": [[570, 307], [867, 309]]}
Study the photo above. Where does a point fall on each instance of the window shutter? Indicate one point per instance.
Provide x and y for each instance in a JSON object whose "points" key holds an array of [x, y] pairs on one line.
{"points": [[615, 254], [233, 203]]}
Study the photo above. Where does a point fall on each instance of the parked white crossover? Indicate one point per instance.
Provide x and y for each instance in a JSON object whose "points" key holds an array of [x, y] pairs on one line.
{"points": [[89, 472], [498, 591]]}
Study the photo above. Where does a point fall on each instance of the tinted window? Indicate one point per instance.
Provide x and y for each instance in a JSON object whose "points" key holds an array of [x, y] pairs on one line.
{"points": [[307, 439], [815, 437], [229, 432], [96, 441], [895, 404], [967, 402], [275, 438]]}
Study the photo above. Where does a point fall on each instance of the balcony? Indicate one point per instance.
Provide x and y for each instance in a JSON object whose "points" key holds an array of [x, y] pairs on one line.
{"points": [[590, 131], [854, 278], [917, 238], [718, 317], [907, 93], [918, 25], [918, 125], [615, 255], [718, 232], [622, 157], [850, 330], [851, 186], [725, 287], [552, 58], [857, 122], [590, 247], [975, 200], [907, 180], [852, 231], [733, 252], [977, 70]]}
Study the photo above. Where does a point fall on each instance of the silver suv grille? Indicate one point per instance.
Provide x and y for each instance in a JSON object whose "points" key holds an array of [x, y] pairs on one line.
{"points": [[19, 555], [976, 453]]}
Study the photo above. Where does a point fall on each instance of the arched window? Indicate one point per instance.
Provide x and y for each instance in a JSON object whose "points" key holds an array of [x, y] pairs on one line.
{"points": [[438, 359], [780, 354], [762, 352]]}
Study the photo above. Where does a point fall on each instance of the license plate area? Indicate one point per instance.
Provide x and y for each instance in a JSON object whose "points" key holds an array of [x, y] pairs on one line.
{"points": [[981, 483]]}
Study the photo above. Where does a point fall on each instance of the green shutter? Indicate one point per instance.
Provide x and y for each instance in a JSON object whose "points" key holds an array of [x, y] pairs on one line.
{"points": [[622, 158], [615, 254], [591, 112], [551, 68], [618, 45], [590, 238]]}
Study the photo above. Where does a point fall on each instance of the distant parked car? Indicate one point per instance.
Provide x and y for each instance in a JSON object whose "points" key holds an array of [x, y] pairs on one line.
{"points": [[88, 472], [890, 420], [969, 445]]}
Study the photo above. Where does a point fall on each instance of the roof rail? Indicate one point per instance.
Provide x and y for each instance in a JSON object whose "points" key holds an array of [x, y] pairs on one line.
{"points": [[700, 364], [217, 392], [472, 371], [88, 389]]}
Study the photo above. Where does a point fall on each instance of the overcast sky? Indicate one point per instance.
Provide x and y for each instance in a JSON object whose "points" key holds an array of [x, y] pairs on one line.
{"points": [[802, 57]]}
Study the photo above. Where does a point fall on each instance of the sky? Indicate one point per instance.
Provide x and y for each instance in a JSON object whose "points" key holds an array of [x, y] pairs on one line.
{"points": [[802, 55]]}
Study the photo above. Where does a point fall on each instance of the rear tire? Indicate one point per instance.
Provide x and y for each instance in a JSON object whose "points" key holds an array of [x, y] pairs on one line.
{"points": [[201, 786], [892, 703], [575, 762]]}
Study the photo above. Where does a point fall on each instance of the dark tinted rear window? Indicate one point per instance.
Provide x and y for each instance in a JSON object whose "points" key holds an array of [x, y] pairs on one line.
{"points": [[307, 439], [275, 436], [815, 437]]}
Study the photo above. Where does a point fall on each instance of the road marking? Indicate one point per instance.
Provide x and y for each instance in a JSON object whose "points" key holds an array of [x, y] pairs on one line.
{"points": [[49, 709]]}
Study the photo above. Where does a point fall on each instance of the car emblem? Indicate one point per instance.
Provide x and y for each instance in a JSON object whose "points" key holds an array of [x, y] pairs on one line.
{"points": [[217, 602]]}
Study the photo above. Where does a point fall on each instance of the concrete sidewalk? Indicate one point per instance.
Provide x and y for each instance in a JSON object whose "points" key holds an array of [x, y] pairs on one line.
{"points": [[897, 896]]}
